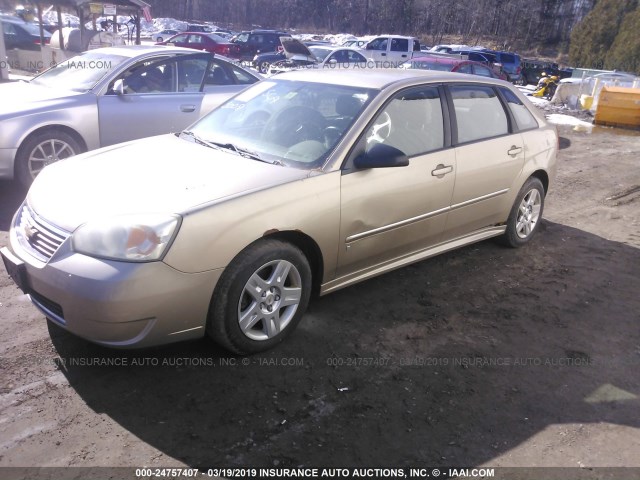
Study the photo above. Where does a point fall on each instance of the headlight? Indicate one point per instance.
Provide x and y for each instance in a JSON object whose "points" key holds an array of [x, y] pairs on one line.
{"points": [[133, 238]]}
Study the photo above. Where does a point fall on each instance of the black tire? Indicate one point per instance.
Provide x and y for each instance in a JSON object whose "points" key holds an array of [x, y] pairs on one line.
{"points": [[523, 223], [263, 67], [232, 298], [523, 81], [159, 39], [27, 167]]}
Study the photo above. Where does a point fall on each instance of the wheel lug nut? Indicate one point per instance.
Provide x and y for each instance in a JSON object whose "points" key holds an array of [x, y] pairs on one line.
{"points": [[270, 308], [277, 298]]}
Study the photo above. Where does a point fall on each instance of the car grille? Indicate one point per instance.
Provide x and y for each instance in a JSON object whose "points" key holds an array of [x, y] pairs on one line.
{"points": [[40, 238]]}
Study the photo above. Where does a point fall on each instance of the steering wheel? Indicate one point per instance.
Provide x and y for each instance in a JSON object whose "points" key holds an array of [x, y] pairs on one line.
{"points": [[294, 125], [380, 130], [259, 118]]}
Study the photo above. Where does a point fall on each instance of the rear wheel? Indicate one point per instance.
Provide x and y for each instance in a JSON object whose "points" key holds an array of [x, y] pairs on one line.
{"points": [[526, 214], [41, 150], [263, 67], [260, 298]]}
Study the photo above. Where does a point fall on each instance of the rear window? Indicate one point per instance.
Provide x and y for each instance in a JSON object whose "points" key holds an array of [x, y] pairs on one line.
{"points": [[523, 116]]}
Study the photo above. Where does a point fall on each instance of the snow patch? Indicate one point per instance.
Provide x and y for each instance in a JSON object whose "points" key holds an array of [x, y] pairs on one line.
{"points": [[561, 119]]}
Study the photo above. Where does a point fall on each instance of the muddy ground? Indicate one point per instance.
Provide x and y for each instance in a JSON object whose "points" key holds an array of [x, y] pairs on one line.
{"points": [[485, 356]]}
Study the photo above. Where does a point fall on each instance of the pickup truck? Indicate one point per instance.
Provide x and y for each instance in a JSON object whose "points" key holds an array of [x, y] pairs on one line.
{"points": [[392, 50]]}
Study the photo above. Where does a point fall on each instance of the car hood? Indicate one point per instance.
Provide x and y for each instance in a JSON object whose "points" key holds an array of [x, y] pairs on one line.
{"points": [[25, 97], [293, 47], [163, 174]]}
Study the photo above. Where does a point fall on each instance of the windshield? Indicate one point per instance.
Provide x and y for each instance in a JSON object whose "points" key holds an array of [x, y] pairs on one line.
{"points": [[319, 52], [291, 123], [80, 73]]}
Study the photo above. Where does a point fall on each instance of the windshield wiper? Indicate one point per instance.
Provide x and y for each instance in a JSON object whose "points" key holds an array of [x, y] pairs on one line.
{"points": [[196, 138], [230, 146]]}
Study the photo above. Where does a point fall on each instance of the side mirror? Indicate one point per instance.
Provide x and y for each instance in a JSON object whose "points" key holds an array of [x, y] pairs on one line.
{"points": [[118, 87], [333, 60], [381, 156], [368, 47]]}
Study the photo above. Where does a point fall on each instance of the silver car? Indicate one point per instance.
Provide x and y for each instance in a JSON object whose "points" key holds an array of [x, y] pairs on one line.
{"points": [[306, 182], [108, 96]]}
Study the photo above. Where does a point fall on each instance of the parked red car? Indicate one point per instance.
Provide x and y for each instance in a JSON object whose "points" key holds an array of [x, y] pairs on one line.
{"points": [[450, 64], [209, 42]]}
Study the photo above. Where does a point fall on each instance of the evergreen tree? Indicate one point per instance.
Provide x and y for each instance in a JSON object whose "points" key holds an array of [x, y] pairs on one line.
{"points": [[592, 38], [625, 51]]}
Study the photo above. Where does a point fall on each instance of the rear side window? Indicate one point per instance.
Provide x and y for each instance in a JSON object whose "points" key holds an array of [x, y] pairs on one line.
{"points": [[479, 113], [523, 116], [399, 45], [507, 58]]}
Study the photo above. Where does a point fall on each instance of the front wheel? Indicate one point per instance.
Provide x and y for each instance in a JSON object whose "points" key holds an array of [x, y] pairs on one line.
{"points": [[260, 297], [525, 215], [42, 149]]}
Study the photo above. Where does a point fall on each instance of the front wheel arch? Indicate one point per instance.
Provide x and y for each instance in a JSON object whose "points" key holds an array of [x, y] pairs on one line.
{"points": [[42, 130]]}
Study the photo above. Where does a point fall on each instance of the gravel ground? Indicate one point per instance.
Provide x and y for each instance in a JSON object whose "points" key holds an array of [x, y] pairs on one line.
{"points": [[484, 356]]}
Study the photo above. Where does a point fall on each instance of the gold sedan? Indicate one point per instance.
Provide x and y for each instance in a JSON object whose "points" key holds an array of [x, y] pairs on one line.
{"points": [[308, 182]]}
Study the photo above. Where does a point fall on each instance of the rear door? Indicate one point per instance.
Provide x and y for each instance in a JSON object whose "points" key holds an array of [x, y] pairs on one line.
{"points": [[489, 157], [160, 97], [399, 50]]}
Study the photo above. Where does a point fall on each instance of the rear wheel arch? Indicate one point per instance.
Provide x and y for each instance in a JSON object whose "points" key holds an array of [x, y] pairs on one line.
{"points": [[544, 178]]}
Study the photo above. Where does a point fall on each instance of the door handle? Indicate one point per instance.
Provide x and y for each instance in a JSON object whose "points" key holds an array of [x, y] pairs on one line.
{"points": [[383, 54], [513, 151], [187, 108], [403, 56], [441, 170]]}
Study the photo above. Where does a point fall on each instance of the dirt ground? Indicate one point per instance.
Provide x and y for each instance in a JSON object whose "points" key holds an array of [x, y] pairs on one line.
{"points": [[485, 356]]}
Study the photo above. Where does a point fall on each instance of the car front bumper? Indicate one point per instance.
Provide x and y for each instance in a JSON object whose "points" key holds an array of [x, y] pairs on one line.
{"points": [[116, 304]]}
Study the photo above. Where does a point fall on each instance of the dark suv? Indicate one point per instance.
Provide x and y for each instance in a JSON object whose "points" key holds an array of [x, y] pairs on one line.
{"points": [[258, 41]]}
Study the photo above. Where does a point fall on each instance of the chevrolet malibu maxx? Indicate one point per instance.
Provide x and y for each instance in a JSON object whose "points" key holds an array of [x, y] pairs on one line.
{"points": [[305, 183]]}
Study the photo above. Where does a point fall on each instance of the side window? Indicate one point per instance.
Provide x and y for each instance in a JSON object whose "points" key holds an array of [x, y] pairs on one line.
{"points": [[179, 39], [523, 116], [195, 39], [416, 45], [378, 44], [480, 70], [190, 74], [412, 122], [242, 77], [479, 113], [217, 75], [464, 68], [151, 77], [399, 45], [355, 57]]}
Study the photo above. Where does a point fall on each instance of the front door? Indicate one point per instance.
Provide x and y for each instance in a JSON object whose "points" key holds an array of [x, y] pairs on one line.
{"points": [[160, 97], [390, 212]]}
